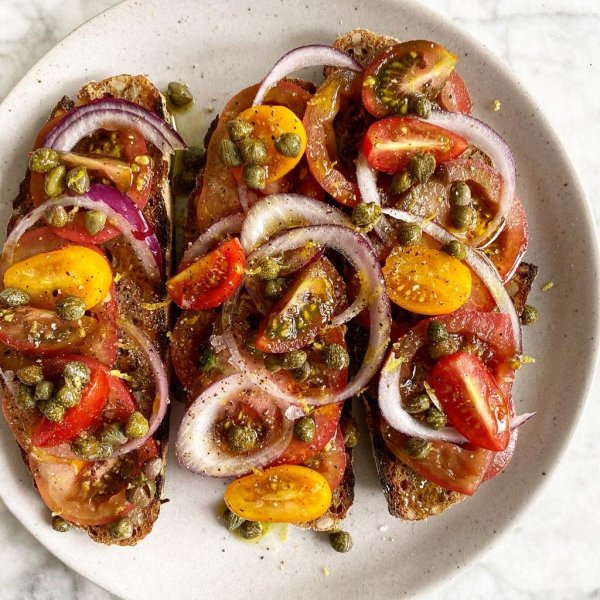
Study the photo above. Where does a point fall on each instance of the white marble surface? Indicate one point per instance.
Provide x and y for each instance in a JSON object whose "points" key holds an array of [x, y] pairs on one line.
{"points": [[552, 47]]}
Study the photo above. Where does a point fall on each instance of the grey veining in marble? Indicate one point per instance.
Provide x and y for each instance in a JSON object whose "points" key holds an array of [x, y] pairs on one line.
{"points": [[552, 47]]}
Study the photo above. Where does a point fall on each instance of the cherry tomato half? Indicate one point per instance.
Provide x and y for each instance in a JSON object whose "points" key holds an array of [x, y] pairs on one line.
{"points": [[455, 96], [331, 461]]}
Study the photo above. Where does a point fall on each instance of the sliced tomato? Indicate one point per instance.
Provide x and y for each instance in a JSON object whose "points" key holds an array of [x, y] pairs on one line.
{"points": [[75, 231], [135, 151], [390, 143], [472, 400], [305, 183], [331, 461], [37, 241], [455, 96], [102, 343]]}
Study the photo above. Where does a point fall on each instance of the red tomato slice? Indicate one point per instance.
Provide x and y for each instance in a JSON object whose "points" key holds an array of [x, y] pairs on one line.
{"points": [[472, 400], [134, 146], [210, 280], [331, 461], [37, 241], [75, 231], [390, 143], [455, 96]]}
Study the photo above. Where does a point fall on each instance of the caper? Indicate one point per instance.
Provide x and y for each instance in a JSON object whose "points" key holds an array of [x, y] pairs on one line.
{"points": [[239, 129], [365, 214], [54, 183], [421, 166], [436, 331], [253, 151], [351, 433], [417, 447], [24, 398], [193, 157], [460, 194], [400, 183], [44, 160], [272, 362], [303, 373], [14, 297], [207, 361], [441, 349], [30, 375], [268, 269], [88, 447], [293, 359], [456, 249], [179, 93], [137, 425], [462, 217], [121, 529], [341, 541], [53, 411], [530, 315], [305, 429], [112, 434], [232, 521], [409, 234], [70, 308], [417, 404], [94, 221], [288, 144], [420, 105], [56, 216], [153, 467], [77, 373], [274, 288], [436, 418], [68, 396], [43, 390], [250, 529], [141, 495], [255, 177], [59, 524], [229, 153], [241, 439], [78, 180], [335, 356]]}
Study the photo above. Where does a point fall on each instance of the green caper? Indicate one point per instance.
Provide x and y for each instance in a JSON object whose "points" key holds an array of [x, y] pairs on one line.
{"points": [[94, 221], [24, 398], [68, 396], [30, 375], [341, 541], [253, 151], [293, 359], [56, 216], [53, 411], [268, 269], [251, 529], [421, 166], [460, 194], [409, 234], [305, 429], [255, 177], [303, 373], [121, 529], [365, 214], [137, 425], [436, 418], [44, 160], [77, 373], [78, 180], [229, 153], [274, 288], [420, 105], [239, 129], [241, 439], [85, 446], [141, 495], [43, 390], [179, 93], [54, 182], [207, 361], [400, 183], [59, 524], [70, 308], [335, 356], [440, 349], [530, 315], [417, 447], [231, 520], [272, 362], [14, 297], [351, 433], [417, 404], [456, 249], [288, 144], [112, 434], [462, 217], [436, 332], [193, 157]]}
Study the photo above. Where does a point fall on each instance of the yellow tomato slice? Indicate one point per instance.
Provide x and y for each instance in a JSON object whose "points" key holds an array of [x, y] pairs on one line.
{"points": [[284, 494], [426, 281], [270, 122], [70, 271]]}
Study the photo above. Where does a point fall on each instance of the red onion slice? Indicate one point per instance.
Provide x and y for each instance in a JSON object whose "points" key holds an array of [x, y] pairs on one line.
{"points": [[478, 262], [314, 55], [487, 140], [196, 447], [112, 113], [357, 250]]}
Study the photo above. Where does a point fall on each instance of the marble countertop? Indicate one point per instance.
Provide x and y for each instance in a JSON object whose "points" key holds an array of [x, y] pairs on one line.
{"points": [[550, 45]]}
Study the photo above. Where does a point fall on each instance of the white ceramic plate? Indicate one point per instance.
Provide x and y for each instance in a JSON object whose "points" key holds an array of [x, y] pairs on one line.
{"points": [[218, 48]]}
